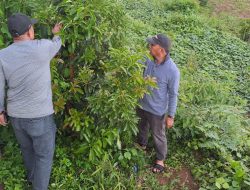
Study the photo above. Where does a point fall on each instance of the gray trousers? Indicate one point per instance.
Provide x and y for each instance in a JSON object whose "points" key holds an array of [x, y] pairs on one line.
{"points": [[156, 124], [36, 137]]}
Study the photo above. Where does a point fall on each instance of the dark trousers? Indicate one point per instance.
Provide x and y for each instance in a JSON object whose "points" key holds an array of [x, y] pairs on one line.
{"points": [[37, 141], [156, 125]]}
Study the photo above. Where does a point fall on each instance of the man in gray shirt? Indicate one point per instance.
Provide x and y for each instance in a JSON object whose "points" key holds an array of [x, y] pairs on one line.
{"points": [[161, 100], [25, 73]]}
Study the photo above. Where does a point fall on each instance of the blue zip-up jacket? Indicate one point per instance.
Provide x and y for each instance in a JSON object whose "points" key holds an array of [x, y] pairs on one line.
{"points": [[163, 99]]}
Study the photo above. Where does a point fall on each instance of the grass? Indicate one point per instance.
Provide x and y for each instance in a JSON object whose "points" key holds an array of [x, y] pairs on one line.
{"points": [[197, 44], [228, 15], [70, 171], [236, 8]]}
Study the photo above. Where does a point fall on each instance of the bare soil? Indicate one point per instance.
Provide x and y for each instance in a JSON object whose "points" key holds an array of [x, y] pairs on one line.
{"points": [[238, 8], [182, 176]]}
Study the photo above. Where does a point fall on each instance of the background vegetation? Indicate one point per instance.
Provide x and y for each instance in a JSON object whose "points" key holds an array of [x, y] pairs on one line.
{"points": [[97, 82]]}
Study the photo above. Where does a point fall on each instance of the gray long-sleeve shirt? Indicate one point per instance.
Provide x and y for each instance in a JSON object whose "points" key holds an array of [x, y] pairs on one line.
{"points": [[25, 66], [163, 99]]}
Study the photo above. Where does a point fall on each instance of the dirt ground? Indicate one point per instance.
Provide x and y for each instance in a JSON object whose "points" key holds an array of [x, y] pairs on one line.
{"points": [[238, 8], [182, 178]]}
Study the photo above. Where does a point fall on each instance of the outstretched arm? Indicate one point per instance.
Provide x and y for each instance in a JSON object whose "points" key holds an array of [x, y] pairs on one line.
{"points": [[56, 42]]}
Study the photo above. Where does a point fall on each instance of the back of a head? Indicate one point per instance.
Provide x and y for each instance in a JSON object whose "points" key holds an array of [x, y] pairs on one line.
{"points": [[19, 24]]}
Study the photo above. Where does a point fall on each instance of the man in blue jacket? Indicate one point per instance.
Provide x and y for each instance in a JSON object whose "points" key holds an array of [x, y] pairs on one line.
{"points": [[25, 73], [160, 101]]}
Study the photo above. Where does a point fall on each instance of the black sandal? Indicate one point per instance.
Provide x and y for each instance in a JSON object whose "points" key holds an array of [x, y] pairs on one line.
{"points": [[158, 168]]}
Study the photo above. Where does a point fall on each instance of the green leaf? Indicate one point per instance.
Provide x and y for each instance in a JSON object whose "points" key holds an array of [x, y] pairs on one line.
{"points": [[225, 185], [134, 152], [127, 155], [219, 182], [235, 184], [247, 182], [218, 185], [118, 143]]}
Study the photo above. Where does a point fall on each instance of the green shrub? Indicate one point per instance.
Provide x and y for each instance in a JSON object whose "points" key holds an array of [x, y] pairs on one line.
{"points": [[203, 2], [245, 30], [212, 120], [182, 5], [97, 82]]}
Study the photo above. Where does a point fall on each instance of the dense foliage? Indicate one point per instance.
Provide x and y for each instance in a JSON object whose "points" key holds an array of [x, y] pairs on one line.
{"points": [[97, 82]]}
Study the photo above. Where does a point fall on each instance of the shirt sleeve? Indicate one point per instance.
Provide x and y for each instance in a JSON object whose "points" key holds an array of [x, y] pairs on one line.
{"points": [[55, 45], [173, 87], [2, 88]]}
